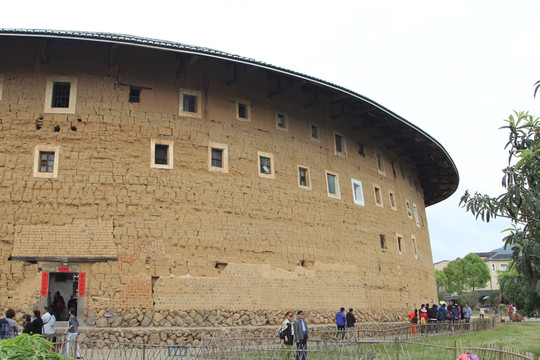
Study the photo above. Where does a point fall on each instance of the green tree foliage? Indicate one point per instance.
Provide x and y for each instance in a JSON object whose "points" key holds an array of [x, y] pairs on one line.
{"points": [[471, 272], [520, 203], [470, 298], [516, 290], [28, 347]]}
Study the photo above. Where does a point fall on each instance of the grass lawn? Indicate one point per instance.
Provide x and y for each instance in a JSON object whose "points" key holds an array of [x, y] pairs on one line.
{"points": [[522, 336]]}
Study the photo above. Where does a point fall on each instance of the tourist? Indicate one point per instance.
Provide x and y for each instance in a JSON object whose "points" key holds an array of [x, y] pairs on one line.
{"points": [[72, 331], [341, 321], [37, 323], [413, 318], [441, 316], [351, 320], [27, 325], [423, 318], [49, 321], [13, 327], [301, 334], [482, 311], [72, 303], [432, 317], [4, 327], [58, 305], [467, 313], [287, 334]]}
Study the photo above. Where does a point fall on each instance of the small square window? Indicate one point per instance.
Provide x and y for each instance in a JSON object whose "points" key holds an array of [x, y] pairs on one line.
{"points": [[190, 103], [358, 194], [282, 121], [134, 94], [399, 239], [60, 95], [339, 144], [332, 184], [392, 200], [380, 163], [304, 180], [378, 195], [417, 219], [266, 165], [415, 248], [243, 110], [503, 267], [314, 132], [382, 240], [218, 157], [46, 161], [409, 212], [161, 154]]}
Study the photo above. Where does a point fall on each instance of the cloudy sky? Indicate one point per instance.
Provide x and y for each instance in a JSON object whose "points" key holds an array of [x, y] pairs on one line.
{"points": [[455, 69]]}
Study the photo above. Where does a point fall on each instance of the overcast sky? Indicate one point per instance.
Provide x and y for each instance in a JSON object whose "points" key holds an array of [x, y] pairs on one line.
{"points": [[455, 69]]}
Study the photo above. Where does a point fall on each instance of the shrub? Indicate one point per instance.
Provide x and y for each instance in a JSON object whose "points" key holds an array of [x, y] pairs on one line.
{"points": [[28, 347]]}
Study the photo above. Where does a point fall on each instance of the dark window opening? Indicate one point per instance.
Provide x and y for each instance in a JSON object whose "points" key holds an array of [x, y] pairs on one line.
{"points": [[161, 154], [383, 241], [73, 128], [217, 158], [60, 94], [281, 121], [221, 266], [134, 94], [314, 131], [399, 244], [265, 165], [242, 111], [57, 128], [339, 143], [189, 103], [46, 161], [302, 176]]}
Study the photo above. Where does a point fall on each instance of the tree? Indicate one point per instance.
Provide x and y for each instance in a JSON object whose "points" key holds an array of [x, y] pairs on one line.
{"points": [[461, 274], [521, 201], [476, 272]]}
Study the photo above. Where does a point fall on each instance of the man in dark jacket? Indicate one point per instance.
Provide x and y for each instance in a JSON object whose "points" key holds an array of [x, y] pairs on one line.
{"points": [[301, 336], [432, 318], [351, 320], [441, 315]]}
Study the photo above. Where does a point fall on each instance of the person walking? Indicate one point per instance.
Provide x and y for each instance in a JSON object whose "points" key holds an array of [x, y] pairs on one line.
{"points": [[341, 322], [413, 318], [467, 313], [13, 330], [72, 332], [286, 332], [49, 320], [301, 334], [351, 320]]}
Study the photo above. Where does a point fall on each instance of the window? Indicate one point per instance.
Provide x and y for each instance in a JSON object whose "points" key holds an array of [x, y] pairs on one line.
{"points": [[416, 215], [282, 121], [415, 248], [378, 195], [503, 267], [358, 194], [266, 165], [304, 180], [339, 144], [409, 212], [161, 154], [399, 239], [382, 239], [134, 94], [190, 103], [332, 184], [243, 110], [61, 95], [46, 161], [380, 163], [314, 132], [218, 157], [392, 200], [1, 85], [493, 267]]}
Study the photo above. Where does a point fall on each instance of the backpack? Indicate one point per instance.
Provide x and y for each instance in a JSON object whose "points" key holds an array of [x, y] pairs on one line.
{"points": [[281, 332]]}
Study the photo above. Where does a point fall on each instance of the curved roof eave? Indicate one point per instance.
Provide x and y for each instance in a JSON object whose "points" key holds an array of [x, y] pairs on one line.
{"points": [[189, 49]]}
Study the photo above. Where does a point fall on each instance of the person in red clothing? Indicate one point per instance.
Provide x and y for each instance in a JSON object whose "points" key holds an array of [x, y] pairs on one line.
{"points": [[423, 318], [413, 317]]}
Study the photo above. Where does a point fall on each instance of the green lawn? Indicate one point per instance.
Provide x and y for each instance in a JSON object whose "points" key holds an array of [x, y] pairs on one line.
{"points": [[523, 336]]}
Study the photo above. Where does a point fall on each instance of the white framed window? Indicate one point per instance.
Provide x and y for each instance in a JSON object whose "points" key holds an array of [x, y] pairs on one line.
{"points": [[409, 211], [399, 243], [265, 164], [380, 163], [243, 110], [314, 132], [414, 246], [304, 178], [339, 144], [60, 95], [358, 193], [190, 103], [218, 157], [282, 121], [392, 198], [503, 267], [332, 184], [378, 195], [161, 154], [416, 218], [46, 159], [1, 85]]}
